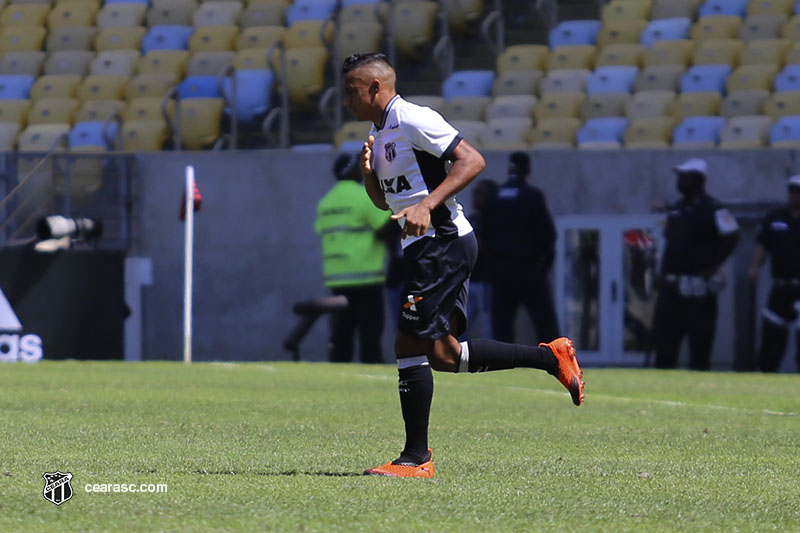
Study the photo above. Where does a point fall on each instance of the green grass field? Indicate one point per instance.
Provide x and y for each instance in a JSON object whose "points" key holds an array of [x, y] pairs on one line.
{"points": [[280, 447]]}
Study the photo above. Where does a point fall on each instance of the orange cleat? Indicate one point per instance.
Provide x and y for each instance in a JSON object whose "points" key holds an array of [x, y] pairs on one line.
{"points": [[569, 371], [392, 470]]}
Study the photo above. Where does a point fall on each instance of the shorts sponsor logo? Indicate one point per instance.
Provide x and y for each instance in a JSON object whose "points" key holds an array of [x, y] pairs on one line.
{"points": [[409, 317], [411, 304]]}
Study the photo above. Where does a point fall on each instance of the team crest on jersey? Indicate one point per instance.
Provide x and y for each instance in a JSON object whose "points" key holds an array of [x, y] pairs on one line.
{"points": [[390, 151]]}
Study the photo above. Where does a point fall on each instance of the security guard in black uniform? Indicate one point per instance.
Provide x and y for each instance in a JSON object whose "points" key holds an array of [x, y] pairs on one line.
{"points": [[780, 238], [700, 234]]}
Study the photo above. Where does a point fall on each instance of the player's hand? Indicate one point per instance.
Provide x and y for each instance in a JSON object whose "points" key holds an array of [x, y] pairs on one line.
{"points": [[418, 218], [366, 157]]}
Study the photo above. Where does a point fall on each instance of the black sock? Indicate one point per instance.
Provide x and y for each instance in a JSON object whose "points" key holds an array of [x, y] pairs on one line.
{"points": [[486, 355], [416, 392]]}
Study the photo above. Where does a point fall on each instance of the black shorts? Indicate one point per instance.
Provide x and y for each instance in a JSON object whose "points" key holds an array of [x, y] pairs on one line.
{"points": [[438, 283]]}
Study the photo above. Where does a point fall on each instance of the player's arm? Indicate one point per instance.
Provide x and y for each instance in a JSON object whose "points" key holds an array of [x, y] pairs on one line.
{"points": [[728, 230], [759, 256], [370, 178]]}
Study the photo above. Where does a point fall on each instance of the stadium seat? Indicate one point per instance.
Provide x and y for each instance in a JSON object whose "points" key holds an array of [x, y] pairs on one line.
{"points": [[629, 10], [53, 111], [414, 23], [360, 12], [255, 58], [119, 39], [351, 134], [614, 79], [705, 78], [465, 108], [791, 30], [620, 54], [272, 13], [696, 104], [143, 135], [435, 102], [200, 122], [102, 87], [92, 134], [119, 62], [653, 132], [782, 104], [745, 132], [522, 57], [171, 13], [463, 16], [764, 52], [71, 38], [55, 86], [356, 37], [761, 27], [506, 133], [602, 133], [518, 105], [9, 132], [69, 62], [471, 130], [620, 32], [716, 27], [15, 86], [305, 74], [557, 104], [565, 80], [736, 8], [308, 34], [127, 14], [208, 63], [664, 9], [22, 39], [213, 38], [649, 104], [253, 95], [743, 102], [698, 132], [310, 10], [216, 14], [167, 38], [41, 137], [571, 56], [147, 108], [24, 63], [752, 77], [770, 7], [468, 83], [94, 110], [792, 54], [22, 15], [15, 111], [199, 87], [788, 79], [785, 133], [169, 62], [670, 29], [601, 105], [669, 53], [554, 133], [718, 52], [659, 78], [260, 37], [72, 14], [517, 82], [570, 32]]}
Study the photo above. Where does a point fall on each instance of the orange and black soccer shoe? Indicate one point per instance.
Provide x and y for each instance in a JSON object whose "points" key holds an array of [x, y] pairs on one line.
{"points": [[569, 371], [391, 469]]}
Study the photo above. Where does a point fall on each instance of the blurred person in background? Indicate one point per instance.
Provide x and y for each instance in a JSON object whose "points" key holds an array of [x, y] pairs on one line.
{"points": [[479, 304]]}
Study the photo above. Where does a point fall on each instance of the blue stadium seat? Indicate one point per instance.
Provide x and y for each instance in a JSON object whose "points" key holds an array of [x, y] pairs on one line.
{"points": [[612, 79], [90, 134], [788, 79], [310, 10], [705, 78], [253, 95], [785, 129], [575, 32], [736, 8], [605, 131], [167, 38], [797, 8], [15, 86], [346, 3], [199, 87], [468, 83], [666, 30], [698, 130]]}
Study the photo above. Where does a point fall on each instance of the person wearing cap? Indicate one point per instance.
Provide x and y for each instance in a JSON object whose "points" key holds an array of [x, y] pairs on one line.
{"points": [[353, 257], [700, 235], [779, 237], [521, 237]]}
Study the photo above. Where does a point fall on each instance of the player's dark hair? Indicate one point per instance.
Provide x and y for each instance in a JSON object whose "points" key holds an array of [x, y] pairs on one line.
{"points": [[345, 167], [521, 161], [359, 60]]}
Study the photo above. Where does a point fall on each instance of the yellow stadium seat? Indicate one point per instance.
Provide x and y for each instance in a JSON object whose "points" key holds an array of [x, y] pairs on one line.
{"points": [[147, 108], [413, 26], [517, 105], [650, 104], [745, 132], [718, 52], [354, 38], [435, 102], [463, 16], [9, 131], [752, 77], [506, 133], [361, 12], [649, 133], [571, 56], [122, 38], [716, 27], [604, 105], [743, 102], [622, 31], [522, 57], [171, 13], [22, 39], [200, 122], [20, 15], [465, 108], [764, 52], [554, 133], [471, 130], [27, 63], [53, 111], [41, 137], [71, 38], [171, 62], [669, 53], [217, 13], [564, 80], [253, 58], [352, 132], [792, 54], [69, 62], [15, 111], [120, 62], [761, 27], [308, 34], [770, 7], [55, 86], [782, 104], [265, 13], [620, 54], [102, 87], [72, 13], [626, 10], [213, 38], [260, 37], [123, 14], [209, 63], [667, 9], [98, 110], [149, 85], [552, 105], [659, 78], [305, 74], [791, 30], [696, 104], [143, 135], [517, 82]]}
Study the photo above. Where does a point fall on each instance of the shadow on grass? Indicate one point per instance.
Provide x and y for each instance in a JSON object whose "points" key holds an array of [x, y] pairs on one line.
{"points": [[287, 473]]}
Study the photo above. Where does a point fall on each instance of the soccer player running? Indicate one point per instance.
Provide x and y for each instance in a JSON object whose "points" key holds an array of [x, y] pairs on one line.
{"points": [[403, 163]]}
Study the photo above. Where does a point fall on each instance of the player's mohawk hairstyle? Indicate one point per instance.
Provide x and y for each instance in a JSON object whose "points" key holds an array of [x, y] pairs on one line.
{"points": [[359, 60]]}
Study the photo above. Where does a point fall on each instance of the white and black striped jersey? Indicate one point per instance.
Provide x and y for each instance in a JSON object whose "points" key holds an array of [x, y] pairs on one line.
{"points": [[412, 145]]}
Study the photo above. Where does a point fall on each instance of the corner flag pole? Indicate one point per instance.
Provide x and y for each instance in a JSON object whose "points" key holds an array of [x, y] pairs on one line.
{"points": [[187, 266]]}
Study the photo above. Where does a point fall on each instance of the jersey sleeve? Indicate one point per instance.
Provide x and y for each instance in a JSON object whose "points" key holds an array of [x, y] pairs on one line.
{"points": [[429, 131]]}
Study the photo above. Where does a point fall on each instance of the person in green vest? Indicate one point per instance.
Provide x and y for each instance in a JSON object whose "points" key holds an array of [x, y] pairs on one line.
{"points": [[353, 257]]}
